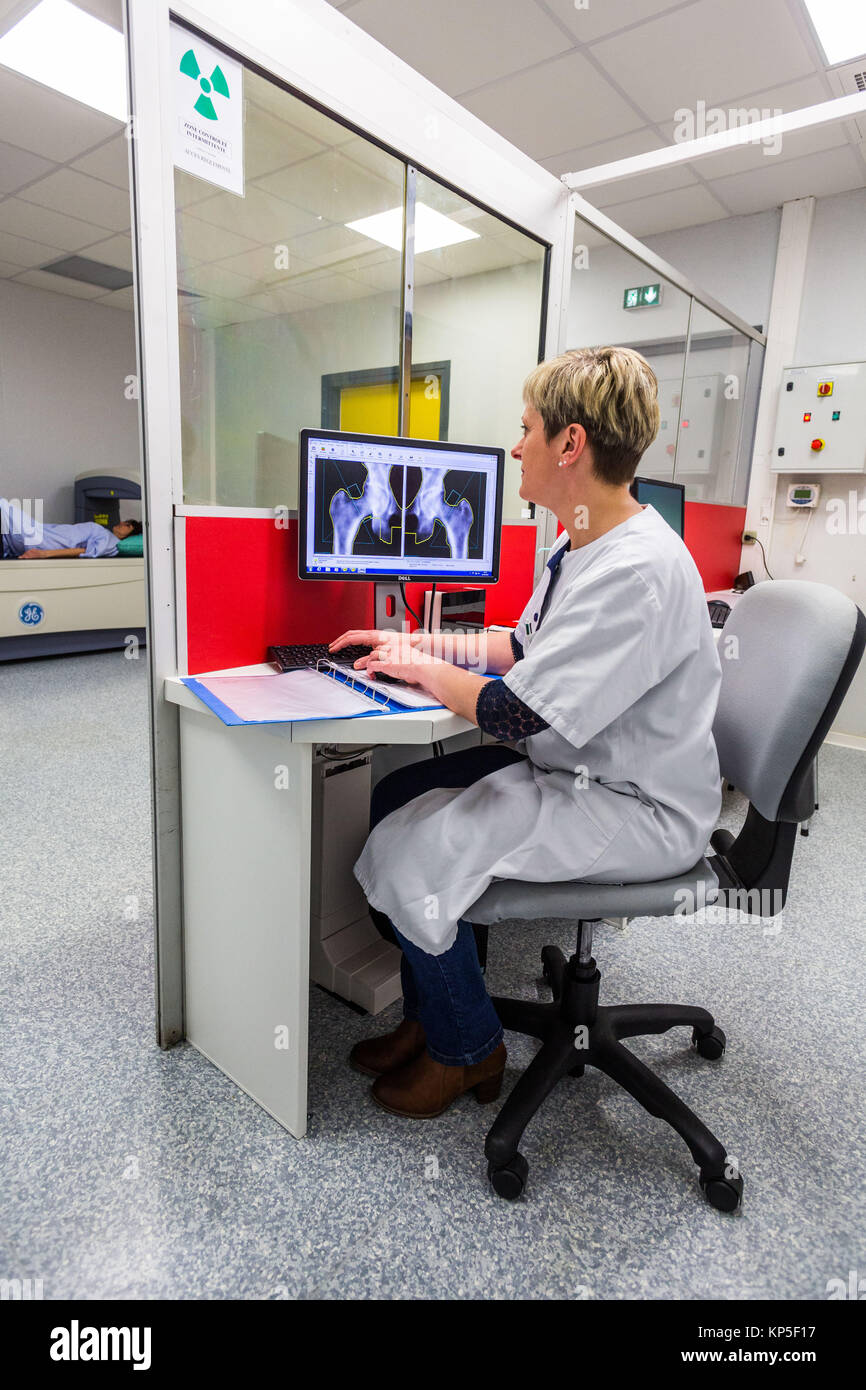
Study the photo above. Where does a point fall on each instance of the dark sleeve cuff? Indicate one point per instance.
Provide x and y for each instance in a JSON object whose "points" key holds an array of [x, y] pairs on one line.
{"points": [[516, 648], [503, 715]]}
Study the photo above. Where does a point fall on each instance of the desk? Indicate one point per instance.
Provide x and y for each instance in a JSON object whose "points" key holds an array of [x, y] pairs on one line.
{"points": [[246, 825]]}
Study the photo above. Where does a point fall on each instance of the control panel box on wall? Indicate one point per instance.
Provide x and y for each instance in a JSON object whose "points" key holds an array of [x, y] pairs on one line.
{"points": [[821, 425]]}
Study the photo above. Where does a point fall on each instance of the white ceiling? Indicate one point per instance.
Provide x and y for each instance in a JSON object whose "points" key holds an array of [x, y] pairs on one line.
{"points": [[580, 84], [573, 87]]}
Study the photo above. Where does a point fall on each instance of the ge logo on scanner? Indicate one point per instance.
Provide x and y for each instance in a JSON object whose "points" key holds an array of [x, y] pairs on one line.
{"points": [[31, 614]]}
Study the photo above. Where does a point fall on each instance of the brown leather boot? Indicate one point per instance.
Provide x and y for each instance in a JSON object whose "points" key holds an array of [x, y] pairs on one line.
{"points": [[377, 1055], [424, 1088]]}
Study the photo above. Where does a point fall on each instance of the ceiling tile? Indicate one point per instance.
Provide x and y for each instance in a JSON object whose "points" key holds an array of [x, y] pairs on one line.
{"points": [[119, 299], [270, 143], [472, 257], [189, 190], [79, 195], [259, 265], [217, 313], [202, 241], [816, 175], [642, 186], [794, 146], [115, 250], [460, 44], [216, 281], [108, 162], [259, 216], [685, 207], [24, 252], [593, 20], [297, 113], [603, 152], [281, 300], [18, 167], [335, 188], [109, 11], [28, 220], [44, 121], [705, 52], [330, 244], [554, 107], [59, 284], [333, 289], [382, 277]]}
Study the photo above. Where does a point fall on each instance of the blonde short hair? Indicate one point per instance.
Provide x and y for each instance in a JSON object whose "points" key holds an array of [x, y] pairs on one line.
{"points": [[612, 392]]}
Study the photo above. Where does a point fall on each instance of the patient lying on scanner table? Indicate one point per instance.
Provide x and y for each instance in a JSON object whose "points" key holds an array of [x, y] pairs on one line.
{"points": [[26, 537]]}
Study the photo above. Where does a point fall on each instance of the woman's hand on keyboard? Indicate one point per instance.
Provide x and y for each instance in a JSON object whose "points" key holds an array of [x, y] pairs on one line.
{"points": [[372, 637], [403, 659]]}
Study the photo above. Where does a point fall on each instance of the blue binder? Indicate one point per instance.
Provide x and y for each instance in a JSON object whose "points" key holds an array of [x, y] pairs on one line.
{"points": [[380, 703]]}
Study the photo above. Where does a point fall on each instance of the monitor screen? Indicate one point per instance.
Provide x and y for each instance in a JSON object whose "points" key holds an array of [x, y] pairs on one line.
{"points": [[374, 507], [668, 499]]}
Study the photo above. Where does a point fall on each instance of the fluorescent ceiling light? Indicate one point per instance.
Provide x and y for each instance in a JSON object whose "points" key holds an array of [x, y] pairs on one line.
{"points": [[432, 229], [839, 109], [840, 26], [60, 46]]}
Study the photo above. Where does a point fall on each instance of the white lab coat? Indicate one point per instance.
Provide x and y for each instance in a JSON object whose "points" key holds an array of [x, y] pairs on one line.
{"points": [[623, 786]]}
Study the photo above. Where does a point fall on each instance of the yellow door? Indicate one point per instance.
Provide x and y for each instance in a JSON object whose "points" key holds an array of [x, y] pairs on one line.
{"points": [[373, 409]]}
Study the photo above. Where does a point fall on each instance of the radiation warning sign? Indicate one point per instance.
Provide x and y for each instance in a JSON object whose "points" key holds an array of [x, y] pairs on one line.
{"points": [[209, 112]]}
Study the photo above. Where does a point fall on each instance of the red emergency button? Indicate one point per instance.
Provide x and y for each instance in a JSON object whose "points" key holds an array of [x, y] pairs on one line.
{"points": [[817, 445]]}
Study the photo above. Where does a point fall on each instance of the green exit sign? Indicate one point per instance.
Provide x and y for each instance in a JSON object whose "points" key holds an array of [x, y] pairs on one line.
{"points": [[642, 297]]}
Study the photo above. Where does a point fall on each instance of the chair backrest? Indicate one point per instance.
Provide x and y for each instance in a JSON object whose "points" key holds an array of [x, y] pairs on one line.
{"points": [[789, 652]]}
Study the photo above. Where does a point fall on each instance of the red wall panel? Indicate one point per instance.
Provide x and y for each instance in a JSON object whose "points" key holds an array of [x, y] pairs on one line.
{"points": [[714, 537], [243, 592]]}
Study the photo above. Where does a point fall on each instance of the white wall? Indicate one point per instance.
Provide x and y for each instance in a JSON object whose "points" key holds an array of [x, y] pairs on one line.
{"points": [[832, 329], [62, 405], [731, 260]]}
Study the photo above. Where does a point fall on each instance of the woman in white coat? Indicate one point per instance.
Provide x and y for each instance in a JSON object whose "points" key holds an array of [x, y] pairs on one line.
{"points": [[609, 684]]}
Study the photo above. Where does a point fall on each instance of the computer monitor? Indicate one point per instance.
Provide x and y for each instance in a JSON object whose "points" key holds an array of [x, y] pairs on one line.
{"points": [[668, 499], [379, 507]]}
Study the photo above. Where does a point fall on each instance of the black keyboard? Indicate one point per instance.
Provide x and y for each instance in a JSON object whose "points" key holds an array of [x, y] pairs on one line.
{"points": [[719, 612], [298, 655], [302, 654]]}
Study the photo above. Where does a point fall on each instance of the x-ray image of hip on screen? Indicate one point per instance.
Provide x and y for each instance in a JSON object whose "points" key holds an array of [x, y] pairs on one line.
{"points": [[383, 507]]}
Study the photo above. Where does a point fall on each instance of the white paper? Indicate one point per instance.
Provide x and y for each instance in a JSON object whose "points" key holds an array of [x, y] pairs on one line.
{"points": [[209, 111], [287, 695]]}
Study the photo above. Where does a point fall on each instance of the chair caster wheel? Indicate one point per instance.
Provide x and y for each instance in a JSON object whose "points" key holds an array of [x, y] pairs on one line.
{"points": [[509, 1181], [725, 1194], [710, 1045]]}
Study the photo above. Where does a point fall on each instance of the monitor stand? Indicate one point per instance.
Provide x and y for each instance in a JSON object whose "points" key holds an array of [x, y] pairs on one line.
{"points": [[388, 607]]}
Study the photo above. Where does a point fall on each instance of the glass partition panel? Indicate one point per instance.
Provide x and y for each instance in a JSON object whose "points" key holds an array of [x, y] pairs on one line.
{"points": [[479, 294], [616, 299], [289, 311], [712, 457]]}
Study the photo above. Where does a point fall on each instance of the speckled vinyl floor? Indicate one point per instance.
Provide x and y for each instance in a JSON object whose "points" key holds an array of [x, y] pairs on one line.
{"points": [[130, 1172]]}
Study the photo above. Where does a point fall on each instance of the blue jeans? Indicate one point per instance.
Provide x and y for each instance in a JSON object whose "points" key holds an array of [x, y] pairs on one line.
{"points": [[446, 992]]}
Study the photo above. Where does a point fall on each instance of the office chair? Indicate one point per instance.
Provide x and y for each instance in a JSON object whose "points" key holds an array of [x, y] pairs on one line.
{"points": [[797, 648]]}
